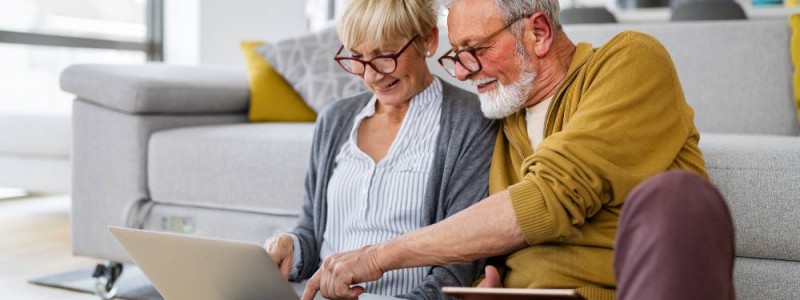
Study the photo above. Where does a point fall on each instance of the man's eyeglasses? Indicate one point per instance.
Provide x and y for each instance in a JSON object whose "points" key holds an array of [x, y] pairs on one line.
{"points": [[384, 64], [468, 57]]}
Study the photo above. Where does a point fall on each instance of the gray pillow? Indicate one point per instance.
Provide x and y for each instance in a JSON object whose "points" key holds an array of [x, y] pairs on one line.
{"points": [[306, 62]]}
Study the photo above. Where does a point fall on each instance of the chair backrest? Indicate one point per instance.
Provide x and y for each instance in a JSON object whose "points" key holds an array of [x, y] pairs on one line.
{"points": [[586, 15], [694, 10]]}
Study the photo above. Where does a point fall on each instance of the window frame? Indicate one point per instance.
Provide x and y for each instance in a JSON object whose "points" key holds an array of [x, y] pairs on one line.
{"points": [[152, 46]]}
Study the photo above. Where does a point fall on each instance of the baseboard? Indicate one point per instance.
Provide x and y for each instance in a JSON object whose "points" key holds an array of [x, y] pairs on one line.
{"points": [[41, 175]]}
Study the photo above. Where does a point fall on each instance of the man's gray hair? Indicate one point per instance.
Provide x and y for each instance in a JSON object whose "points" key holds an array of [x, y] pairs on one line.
{"points": [[513, 9]]}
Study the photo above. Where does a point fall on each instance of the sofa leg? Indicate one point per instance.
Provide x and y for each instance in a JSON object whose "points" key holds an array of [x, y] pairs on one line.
{"points": [[106, 279]]}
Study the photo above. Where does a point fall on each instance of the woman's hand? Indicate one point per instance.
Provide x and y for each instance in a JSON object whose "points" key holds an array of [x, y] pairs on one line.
{"points": [[339, 273], [281, 250]]}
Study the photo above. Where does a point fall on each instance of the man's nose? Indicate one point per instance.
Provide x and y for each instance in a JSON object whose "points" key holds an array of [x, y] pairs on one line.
{"points": [[461, 72]]}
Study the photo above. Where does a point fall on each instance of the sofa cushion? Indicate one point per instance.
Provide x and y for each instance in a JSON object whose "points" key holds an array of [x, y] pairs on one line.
{"points": [[271, 97], [307, 64], [249, 167], [734, 86], [758, 176], [759, 279]]}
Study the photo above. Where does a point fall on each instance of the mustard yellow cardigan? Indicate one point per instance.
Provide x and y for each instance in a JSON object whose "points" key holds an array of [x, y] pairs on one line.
{"points": [[619, 118]]}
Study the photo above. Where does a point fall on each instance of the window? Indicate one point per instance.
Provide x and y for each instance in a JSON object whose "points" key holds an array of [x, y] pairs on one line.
{"points": [[39, 38]]}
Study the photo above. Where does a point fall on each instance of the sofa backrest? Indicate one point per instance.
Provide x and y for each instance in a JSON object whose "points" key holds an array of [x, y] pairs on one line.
{"points": [[735, 74]]}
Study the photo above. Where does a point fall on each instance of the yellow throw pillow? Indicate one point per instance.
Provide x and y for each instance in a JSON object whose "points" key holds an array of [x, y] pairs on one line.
{"points": [[271, 97], [794, 21]]}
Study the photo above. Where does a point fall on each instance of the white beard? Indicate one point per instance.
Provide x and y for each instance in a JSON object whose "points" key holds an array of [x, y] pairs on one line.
{"points": [[506, 99]]}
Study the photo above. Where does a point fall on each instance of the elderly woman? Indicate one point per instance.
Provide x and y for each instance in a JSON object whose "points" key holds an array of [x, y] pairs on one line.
{"points": [[410, 152]]}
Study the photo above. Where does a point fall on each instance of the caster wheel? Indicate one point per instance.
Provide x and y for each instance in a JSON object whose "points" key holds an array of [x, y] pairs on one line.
{"points": [[106, 279]]}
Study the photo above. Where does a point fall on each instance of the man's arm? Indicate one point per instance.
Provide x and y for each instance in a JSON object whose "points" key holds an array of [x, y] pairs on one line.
{"points": [[488, 228]]}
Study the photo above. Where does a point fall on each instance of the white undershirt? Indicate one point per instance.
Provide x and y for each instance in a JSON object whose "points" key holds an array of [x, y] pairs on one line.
{"points": [[535, 118]]}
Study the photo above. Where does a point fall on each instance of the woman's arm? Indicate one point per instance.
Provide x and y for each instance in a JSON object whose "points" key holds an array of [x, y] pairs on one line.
{"points": [[305, 233]]}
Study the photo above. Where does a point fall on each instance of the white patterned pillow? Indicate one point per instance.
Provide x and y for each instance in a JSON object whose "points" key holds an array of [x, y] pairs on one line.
{"points": [[306, 62]]}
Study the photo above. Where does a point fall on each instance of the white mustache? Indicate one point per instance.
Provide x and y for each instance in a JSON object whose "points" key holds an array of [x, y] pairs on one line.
{"points": [[477, 82]]}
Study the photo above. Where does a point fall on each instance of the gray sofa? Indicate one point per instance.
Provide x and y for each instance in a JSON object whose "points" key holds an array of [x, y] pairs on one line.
{"points": [[168, 148]]}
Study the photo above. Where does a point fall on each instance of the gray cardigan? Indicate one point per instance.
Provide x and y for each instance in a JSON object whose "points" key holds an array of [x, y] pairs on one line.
{"points": [[459, 178]]}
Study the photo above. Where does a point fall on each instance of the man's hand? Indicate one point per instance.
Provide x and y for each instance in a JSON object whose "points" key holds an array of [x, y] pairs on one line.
{"points": [[339, 271], [281, 250], [491, 279]]}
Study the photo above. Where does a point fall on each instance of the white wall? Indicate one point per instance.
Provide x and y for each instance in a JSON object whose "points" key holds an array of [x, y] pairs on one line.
{"points": [[182, 32], [209, 31]]}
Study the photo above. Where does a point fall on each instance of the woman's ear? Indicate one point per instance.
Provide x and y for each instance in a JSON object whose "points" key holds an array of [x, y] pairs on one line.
{"points": [[432, 42]]}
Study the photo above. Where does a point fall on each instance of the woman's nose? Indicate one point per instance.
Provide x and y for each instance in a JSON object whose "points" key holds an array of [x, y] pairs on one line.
{"points": [[371, 76]]}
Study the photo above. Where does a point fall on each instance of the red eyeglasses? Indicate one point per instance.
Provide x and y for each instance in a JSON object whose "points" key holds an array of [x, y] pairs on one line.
{"points": [[384, 64]]}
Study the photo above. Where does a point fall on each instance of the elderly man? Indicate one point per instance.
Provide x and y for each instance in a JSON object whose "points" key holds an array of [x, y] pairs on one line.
{"points": [[581, 128]]}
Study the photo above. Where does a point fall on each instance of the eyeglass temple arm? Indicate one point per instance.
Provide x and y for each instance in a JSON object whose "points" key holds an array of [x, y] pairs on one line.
{"points": [[338, 52]]}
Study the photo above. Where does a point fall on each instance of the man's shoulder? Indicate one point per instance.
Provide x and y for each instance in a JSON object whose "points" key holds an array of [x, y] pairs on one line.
{"points": [[631, 49], [632, 41], [632, 37]]}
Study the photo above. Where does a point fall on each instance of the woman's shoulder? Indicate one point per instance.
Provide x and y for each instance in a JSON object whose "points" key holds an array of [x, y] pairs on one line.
{"points": [[454, 95], [456, 92], [460, 101], [344, 108]]}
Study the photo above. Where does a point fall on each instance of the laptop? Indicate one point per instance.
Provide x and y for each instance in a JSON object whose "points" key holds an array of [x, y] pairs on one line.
{"points": [[189, 267]]}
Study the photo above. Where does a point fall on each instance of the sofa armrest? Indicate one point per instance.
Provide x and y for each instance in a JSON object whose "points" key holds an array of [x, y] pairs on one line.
{"points": [[159, 88], [109, 169], [759, 175]]}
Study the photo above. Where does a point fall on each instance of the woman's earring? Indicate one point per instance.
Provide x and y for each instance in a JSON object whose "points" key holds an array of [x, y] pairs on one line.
{"points": [[428, 54]]}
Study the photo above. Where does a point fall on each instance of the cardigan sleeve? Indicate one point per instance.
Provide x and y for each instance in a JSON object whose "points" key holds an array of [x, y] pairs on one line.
{"points": [[305, 230]]}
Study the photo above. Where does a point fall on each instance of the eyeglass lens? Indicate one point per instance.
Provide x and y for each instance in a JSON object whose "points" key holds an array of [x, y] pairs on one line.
{"points": [[381, 65], [467, 59]]}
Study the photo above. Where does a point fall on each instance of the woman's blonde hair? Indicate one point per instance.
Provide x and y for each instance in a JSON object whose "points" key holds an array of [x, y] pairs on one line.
{"points": [[386, 21]]}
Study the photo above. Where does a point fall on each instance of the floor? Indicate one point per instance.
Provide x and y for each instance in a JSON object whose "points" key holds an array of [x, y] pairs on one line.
{"points": [[34, 241]]}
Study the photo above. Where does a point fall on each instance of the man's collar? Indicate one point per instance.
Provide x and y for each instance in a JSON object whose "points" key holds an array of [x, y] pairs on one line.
{"points": [[514, 125], [583, 51]]}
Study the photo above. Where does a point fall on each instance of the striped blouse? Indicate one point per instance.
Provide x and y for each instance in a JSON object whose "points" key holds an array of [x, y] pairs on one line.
{"points": [[369, 202]]}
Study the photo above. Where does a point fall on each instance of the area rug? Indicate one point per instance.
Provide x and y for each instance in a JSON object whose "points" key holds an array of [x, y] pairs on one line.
{"points": [[133, 285]]}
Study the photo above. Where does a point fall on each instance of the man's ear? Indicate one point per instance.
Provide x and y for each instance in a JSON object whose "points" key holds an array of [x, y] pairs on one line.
{"points": [[432, 42], [538, 34]]}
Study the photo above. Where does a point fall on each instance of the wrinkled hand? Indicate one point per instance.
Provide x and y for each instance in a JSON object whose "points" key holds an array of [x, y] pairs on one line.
{"points": [[281, 249], [491, 279], [339, 271]]}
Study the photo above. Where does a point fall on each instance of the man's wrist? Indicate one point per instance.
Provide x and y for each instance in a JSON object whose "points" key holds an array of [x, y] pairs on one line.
{"points": [[388, 257]]}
